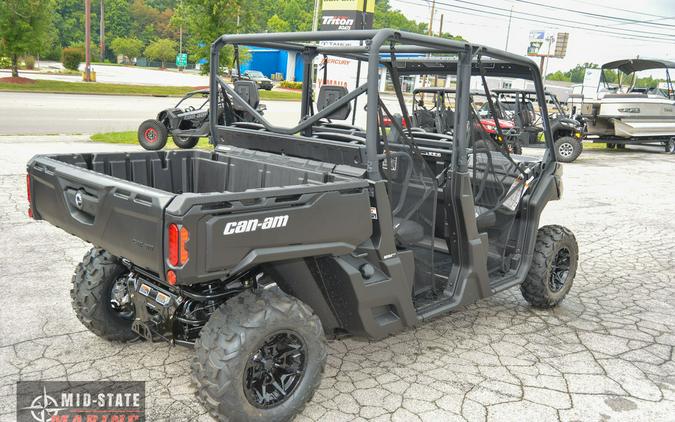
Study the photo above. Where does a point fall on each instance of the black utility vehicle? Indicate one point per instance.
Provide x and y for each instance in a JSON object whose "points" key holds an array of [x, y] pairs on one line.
{"points": [[186, 125], [519, 106], [436, 115], [256, 251]]}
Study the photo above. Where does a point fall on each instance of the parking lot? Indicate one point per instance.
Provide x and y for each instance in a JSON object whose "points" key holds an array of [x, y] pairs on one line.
{"points": [[605, 354]]}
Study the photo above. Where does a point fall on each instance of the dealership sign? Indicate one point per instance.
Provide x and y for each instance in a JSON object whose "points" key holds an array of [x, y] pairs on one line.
{"points": [[548, 44], [94, 401], [344, 15]]}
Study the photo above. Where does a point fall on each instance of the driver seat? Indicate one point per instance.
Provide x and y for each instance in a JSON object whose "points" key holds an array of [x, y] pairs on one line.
{"points": [[248, 90], [330, 94]]}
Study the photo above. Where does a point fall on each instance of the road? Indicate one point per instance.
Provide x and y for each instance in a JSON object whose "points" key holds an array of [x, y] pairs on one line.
{"points": [[121, 75], [605, 354], [40, 114]]}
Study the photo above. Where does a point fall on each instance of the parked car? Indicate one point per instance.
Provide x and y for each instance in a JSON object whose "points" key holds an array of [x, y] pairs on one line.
{"points": [[256, 76]]}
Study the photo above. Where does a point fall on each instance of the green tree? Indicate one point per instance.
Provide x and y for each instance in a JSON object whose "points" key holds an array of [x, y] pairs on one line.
{"points": [[206, 20], [276, 24], [127, 47], [24, 27], [117, 19], [387, 17], [162, 50]]}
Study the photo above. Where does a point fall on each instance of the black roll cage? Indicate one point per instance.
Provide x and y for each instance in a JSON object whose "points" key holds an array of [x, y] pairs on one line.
{"points": [[373, 49]]}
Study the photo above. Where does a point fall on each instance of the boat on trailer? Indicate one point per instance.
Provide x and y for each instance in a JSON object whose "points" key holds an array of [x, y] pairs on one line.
{"points": [[628, 114]]}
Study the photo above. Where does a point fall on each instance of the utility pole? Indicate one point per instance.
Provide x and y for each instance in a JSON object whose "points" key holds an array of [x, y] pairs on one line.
{"points": [[102, 33], [315, 20], [430, 32], [87, 40], [508, 31], [440, 34], [431, 18]]}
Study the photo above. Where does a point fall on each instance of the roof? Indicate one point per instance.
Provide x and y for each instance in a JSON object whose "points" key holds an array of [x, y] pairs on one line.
{"points": [[635, 65]]}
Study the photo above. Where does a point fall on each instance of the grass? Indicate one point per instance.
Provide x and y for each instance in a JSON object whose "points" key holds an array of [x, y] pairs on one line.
{"points": [[131, 138], [120, 89], [595, 145]]}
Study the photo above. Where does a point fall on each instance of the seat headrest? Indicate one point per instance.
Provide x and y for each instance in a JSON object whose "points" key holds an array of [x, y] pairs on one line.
{"points": [[248, 90], [329, 94]]}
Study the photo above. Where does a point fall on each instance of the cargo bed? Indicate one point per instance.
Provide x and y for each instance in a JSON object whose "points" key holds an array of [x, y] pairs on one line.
{"points": [[124, 202]]}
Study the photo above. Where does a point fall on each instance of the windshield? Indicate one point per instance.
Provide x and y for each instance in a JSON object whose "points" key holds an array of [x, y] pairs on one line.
{"points": [[254, 73]]}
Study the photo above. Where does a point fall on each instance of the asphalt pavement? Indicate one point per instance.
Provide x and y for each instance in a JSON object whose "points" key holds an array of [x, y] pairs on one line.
{"points": [[42, 114], [605, 354]]}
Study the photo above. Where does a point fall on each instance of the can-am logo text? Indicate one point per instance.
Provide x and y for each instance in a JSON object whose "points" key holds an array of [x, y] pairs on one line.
{"points": [[245, 226], [343, 22]]}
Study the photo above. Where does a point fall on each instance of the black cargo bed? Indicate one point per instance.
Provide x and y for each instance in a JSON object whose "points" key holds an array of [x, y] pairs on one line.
{"points": [[117, 201]]}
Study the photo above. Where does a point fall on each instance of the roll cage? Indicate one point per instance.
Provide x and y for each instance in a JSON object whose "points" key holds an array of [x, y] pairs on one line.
{"points": [[388, 48]]}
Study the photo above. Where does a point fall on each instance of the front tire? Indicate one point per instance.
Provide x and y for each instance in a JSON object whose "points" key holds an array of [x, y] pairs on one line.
{"points": [[152, 135], [554, 266], [185, 142], [568, 149], [99, 298], [252, 342]]}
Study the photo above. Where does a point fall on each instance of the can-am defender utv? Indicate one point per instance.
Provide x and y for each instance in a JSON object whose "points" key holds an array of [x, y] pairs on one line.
{"points": [[437, 116], [518, 106], [189, 123], [256, 251]]}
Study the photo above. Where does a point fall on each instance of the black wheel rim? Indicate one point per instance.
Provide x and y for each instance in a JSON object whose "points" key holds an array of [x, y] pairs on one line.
{"points": [[560, 270], [275, 370], [120, 299]]}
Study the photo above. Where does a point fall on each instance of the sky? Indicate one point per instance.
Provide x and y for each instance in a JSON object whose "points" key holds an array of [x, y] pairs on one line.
{"points": [[478, 22]]}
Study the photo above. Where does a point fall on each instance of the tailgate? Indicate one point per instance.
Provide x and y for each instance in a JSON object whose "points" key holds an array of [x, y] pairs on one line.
{"points": [[125, 218]]}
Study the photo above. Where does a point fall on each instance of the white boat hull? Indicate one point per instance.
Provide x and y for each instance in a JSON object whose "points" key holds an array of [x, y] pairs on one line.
{"points": [[641, 128]]}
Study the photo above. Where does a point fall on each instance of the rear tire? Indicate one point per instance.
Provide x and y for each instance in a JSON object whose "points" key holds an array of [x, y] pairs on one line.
{"points": [[152, 135], [554, 266], [93, 283], [568, 149], [670, 146], [250, 342], [515, 148], [185, 142]]}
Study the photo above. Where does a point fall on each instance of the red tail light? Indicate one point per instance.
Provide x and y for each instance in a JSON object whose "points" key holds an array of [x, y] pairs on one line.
{"points": [[178, 237], [173, 245], [184, 236], [30, 209]]}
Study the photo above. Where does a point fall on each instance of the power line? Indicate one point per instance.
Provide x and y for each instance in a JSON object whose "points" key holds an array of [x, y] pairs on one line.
{"points": [[597, 15], [576, 23], [492, 14], [612, 8]]}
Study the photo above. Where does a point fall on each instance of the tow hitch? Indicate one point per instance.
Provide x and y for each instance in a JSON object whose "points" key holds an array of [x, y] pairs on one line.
{"points": [[155, 308]]}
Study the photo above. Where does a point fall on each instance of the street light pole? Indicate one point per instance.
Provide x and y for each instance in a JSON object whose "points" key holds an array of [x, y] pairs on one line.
{"points": [[87, 40]]}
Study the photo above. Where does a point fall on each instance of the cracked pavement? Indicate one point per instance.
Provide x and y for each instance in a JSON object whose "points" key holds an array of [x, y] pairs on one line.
{"points": [[606, 354]]}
